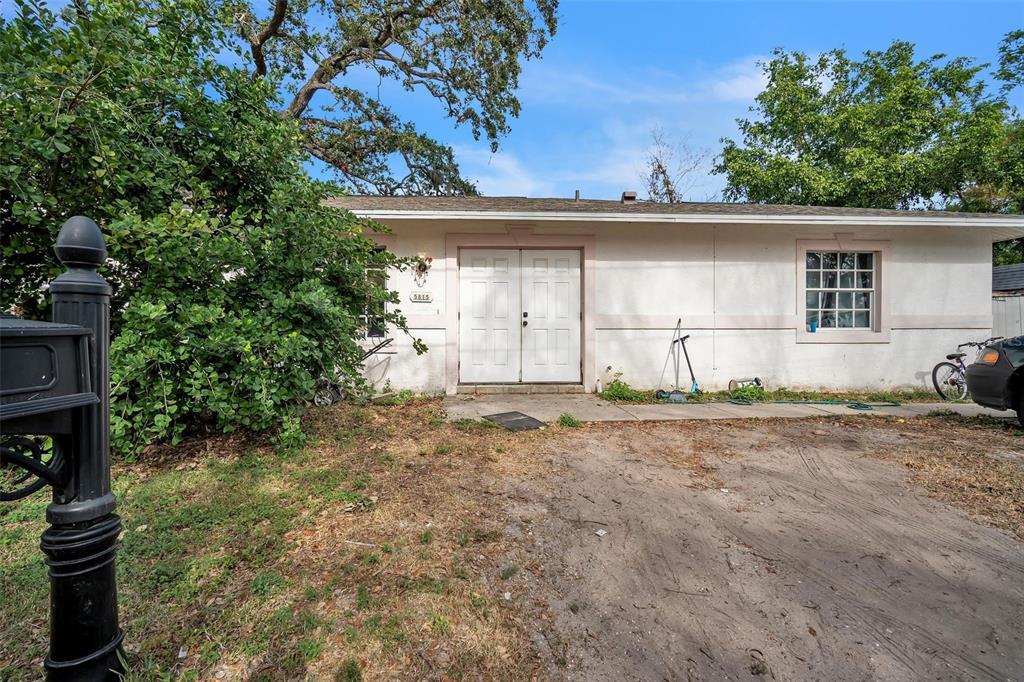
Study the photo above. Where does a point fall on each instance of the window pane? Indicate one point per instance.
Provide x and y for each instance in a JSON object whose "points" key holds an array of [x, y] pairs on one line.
{"points": [[845, 319], [865, 261], [828, 319], [845, 299], [812, 318], [862, 318], [864, 280], [829, 280], [862, 301], [813, 260], [828, 299], [812, 299], [847, 261], [829, 261], [813, 279], [846, 280]]}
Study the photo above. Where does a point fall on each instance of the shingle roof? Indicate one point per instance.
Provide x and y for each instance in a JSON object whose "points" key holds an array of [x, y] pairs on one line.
{"points": [[556, 205], [1008, 277]]}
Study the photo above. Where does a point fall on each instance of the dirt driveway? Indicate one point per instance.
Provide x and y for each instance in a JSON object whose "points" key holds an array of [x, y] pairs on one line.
{"points": [[794, 549]]}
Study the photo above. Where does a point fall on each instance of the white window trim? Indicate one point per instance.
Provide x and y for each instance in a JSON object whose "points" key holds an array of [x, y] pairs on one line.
{"points": [[881, 331]]}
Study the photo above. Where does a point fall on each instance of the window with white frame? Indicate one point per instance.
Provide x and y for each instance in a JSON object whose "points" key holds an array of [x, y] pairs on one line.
{"points": [[840, 290]]}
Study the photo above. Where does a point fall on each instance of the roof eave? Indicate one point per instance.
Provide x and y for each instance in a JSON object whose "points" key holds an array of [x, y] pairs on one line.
{"points": [[1014, 224]]}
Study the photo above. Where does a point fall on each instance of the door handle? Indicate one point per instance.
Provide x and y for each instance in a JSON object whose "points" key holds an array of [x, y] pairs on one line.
{"points": [[525, 323]]}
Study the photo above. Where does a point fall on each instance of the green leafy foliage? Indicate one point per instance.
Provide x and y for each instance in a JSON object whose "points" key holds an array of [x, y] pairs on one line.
{"points": [[885, 131], [235, 289], [467, 56], [618, 390]]}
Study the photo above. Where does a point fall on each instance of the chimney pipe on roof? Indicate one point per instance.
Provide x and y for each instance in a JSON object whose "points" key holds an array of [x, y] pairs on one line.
{"points": [[629, 197]]}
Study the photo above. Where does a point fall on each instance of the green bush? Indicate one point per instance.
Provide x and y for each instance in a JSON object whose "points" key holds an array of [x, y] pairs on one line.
{"points": [[235, 289], [619, 390]]}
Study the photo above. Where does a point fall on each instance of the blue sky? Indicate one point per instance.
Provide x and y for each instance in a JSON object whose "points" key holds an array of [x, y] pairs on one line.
{"points": [[615, 70], [618, 69]]}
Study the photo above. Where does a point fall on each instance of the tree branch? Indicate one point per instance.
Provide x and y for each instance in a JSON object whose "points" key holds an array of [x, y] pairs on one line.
{"points": [[269, 31]]}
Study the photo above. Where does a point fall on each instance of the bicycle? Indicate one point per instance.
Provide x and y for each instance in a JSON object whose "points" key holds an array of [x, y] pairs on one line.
{"points": [[950, 378]]}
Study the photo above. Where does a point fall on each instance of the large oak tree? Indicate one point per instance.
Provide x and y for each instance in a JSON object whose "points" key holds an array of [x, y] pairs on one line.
{"points": [[466, 54]]}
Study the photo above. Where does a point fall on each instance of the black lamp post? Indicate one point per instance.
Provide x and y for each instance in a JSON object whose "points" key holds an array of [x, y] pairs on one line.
{"points": [[55, 426]]}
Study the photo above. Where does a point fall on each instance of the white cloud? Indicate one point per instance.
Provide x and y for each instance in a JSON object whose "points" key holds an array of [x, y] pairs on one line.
{"points": [[602, 163], [740, 81], [501, 174], [736, 81]]}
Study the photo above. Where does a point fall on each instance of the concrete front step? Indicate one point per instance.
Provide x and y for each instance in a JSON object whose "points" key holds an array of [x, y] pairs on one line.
{"points": [[518, 389]]}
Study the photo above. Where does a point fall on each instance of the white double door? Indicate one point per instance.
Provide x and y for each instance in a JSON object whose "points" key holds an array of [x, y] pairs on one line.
{"points": [[519, 316]]}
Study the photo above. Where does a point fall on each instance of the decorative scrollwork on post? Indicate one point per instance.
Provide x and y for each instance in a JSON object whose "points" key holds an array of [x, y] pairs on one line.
{"points": [[27, 465]]}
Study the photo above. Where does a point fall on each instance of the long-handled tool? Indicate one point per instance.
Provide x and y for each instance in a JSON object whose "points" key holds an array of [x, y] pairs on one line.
{"points": [[694, 389], [678, 341]]}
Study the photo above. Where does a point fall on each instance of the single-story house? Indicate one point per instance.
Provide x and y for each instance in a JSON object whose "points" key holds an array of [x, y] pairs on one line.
{"points": [[1008, 300], [572, 293]]}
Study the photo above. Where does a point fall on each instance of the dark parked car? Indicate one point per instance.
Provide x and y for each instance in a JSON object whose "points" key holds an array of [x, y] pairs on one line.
{"points": [[996, 378]]}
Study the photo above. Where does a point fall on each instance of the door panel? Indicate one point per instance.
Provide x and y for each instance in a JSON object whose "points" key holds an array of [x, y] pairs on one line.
{"points": [[551, 308], [489, 325]]}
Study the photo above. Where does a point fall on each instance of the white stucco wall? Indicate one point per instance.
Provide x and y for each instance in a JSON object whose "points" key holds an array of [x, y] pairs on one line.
{"points": [[735, 288]]}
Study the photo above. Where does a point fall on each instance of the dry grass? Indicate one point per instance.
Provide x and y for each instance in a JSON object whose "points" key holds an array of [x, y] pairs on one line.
{"points": [[976, 464], [373, 552], [425, 561]]}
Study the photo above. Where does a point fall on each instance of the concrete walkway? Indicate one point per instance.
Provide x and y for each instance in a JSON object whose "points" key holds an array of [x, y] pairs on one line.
{"points": [[590, 408]]}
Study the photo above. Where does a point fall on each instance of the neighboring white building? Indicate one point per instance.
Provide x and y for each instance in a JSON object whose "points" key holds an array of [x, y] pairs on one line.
{"points": [[564, 291], [1008, 300]]}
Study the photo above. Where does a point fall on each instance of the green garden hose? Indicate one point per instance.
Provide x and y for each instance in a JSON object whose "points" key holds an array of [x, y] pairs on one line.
{"points": [[852, 404]]}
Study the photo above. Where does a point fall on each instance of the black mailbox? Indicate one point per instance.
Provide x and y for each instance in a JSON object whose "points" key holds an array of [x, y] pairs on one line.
{"points": [[44, 375], [55, 431]]}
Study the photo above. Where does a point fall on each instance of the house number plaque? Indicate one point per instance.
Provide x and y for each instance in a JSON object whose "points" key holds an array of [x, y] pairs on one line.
{"points": [[421, 297]]}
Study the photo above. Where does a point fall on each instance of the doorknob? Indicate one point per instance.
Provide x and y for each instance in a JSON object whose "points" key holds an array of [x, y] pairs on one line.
{"points": [[525, 323], [525, 314]]}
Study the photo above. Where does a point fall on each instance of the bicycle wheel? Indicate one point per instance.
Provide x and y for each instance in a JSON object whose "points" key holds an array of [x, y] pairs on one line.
{"points": [[949, 381]]}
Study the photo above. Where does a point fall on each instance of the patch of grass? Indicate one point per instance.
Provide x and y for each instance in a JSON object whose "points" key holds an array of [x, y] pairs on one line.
{"points": [[387, 630], [469, 425], [477, 536], [439, 625], [942, 412], [267, 583], [426, 584], [426, 537], [309, 648], [566, 419], [1008, 425], [363, 599], [619, 391], [759, 394], [509, 571], [349, 672], [442, 449]]}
